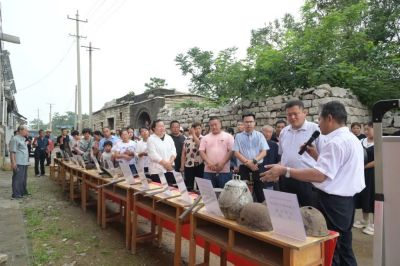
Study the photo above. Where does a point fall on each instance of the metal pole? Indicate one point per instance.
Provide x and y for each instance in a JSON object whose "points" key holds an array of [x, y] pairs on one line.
{"points": [[90, 49], [90, 85], [50, 126], [78, 68], [79, 73], [76, 107], [38, 120]]}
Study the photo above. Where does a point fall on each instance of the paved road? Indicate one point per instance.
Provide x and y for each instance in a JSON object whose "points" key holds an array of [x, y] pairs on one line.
{"points": [[13, 241]]}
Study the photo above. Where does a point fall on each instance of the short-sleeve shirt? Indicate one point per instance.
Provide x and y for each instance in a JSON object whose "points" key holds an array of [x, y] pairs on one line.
{"points": [[290, 141], [193, 157], [341, 160], [216, 147], [122, 147], [143, 161], [250, 144], [112, 138], [19, 147]]}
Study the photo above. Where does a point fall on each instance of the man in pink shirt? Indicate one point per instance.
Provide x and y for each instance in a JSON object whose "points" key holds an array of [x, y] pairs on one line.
{"points": [[216, 151]]}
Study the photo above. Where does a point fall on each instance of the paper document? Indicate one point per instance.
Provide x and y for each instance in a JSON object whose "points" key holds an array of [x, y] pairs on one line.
{"points": [[285, 214], [182, 187], [208, 194]]}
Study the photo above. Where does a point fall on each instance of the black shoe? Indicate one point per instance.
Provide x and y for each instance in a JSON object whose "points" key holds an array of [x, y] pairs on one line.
{"points": [[27, 194], [37, 175], [16, 197]]}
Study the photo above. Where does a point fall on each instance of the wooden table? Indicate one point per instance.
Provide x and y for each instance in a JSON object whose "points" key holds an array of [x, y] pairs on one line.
{"points": [[120, 193], [262, 248], [91, 180], [165, 210], [75, 180]]}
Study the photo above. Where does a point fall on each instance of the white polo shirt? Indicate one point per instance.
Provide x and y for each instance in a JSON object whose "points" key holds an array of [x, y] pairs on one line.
{"points": [[342, 160], [143, 161], [290, 141], [158, 150]]}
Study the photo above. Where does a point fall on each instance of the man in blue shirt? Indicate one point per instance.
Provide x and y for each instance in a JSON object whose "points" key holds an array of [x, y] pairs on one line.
{"points": [[250, 148], [19, 162], [41, 144], [107, 136]]}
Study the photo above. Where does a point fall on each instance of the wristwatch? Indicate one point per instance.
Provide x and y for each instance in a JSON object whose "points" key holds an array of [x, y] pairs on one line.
{"points": [[255, 161], [287, 175]]}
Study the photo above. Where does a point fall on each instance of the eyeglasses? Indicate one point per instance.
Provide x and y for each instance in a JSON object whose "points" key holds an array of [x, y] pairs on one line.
{"points": [[293, 114], [248, 122]]}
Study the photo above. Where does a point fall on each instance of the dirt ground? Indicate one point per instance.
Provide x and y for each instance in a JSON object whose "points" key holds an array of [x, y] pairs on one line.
{"points": [[49, 230]]}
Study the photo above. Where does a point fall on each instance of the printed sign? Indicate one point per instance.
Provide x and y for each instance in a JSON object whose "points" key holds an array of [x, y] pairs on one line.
{"points": [[208, 194], [285, 214], [182, 187], [143, 179], [164, 184], [126, 171]]}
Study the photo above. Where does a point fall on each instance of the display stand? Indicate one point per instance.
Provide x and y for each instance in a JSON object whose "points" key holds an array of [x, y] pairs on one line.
{"points": [[121, 194], [260, 248], [92, 181], [160, 209], [387, 184]]}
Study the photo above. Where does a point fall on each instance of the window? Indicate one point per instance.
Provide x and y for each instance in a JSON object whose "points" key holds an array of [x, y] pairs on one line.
{"points": [[110, 122]]}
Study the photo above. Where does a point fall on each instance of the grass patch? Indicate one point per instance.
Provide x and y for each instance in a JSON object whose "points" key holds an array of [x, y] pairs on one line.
{"points": [[41, 232]]}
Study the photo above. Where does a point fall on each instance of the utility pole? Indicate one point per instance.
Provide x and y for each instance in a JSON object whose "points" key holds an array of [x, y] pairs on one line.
{"points": [[90, 49], [50, 127], [76, 106], [79, 127], [38, 120]]}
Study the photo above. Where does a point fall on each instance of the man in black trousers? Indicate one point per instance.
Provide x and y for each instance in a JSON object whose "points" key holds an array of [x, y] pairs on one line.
{"points": [[337, 175], [41, 144]]}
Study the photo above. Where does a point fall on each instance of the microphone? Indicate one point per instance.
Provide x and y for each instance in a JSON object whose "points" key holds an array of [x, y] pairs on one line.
{"points": [[314, 136]]}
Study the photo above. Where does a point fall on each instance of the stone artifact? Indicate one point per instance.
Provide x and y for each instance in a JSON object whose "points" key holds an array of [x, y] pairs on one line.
{"points": [[314, 222], [234, 197], [255, 216]]}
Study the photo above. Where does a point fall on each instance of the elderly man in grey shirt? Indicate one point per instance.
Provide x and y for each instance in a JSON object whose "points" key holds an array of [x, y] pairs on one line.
{"points": [[19, 162]]}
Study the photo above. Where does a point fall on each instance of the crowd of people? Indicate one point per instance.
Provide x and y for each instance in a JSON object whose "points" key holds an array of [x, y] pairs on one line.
{"points": [[330, 175]]}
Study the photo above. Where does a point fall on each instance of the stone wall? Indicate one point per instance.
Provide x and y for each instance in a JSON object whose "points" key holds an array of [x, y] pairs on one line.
{"points": [[119, 113], [269, 110]]}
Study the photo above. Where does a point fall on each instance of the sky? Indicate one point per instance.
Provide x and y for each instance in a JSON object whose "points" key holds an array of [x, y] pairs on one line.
{"points": [[137, 40]]}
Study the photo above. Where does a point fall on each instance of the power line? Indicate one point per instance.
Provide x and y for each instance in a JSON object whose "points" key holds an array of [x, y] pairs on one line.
{"points": [[94, 20], [107, 16], [49, 72], [95, 7]]}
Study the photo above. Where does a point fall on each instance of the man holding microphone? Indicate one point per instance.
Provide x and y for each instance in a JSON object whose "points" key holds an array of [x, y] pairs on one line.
{"points": [[337, 175], [291, 138]]}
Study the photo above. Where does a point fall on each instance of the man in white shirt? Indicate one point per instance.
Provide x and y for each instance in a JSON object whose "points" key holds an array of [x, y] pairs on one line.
{"points": [[291, 138], [142, 152], [337, 174], [162, 153]]}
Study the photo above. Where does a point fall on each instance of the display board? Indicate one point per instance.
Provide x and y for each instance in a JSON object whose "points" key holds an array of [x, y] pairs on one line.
{"points": [[391, 189]]}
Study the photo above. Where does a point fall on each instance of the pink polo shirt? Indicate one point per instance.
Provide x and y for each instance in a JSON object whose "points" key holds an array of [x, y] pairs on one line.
{"points": [[216, 146]]}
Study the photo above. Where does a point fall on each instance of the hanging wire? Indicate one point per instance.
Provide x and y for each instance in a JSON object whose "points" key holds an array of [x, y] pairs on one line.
{"points": [[51, 71]]}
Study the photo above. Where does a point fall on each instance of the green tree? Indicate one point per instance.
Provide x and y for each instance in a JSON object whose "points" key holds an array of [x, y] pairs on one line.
{"points": [[36, 124], [222, 77], [155, 83], [348, 43]]}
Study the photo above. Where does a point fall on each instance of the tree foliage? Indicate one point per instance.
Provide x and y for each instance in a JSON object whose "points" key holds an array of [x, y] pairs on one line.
{"points": [[155, 83], [348, 43]]}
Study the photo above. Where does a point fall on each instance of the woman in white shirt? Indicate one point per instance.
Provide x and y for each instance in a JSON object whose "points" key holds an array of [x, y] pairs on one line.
{"points": [[365, 199], [124, 150], [162, 153], [142, 152]]}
